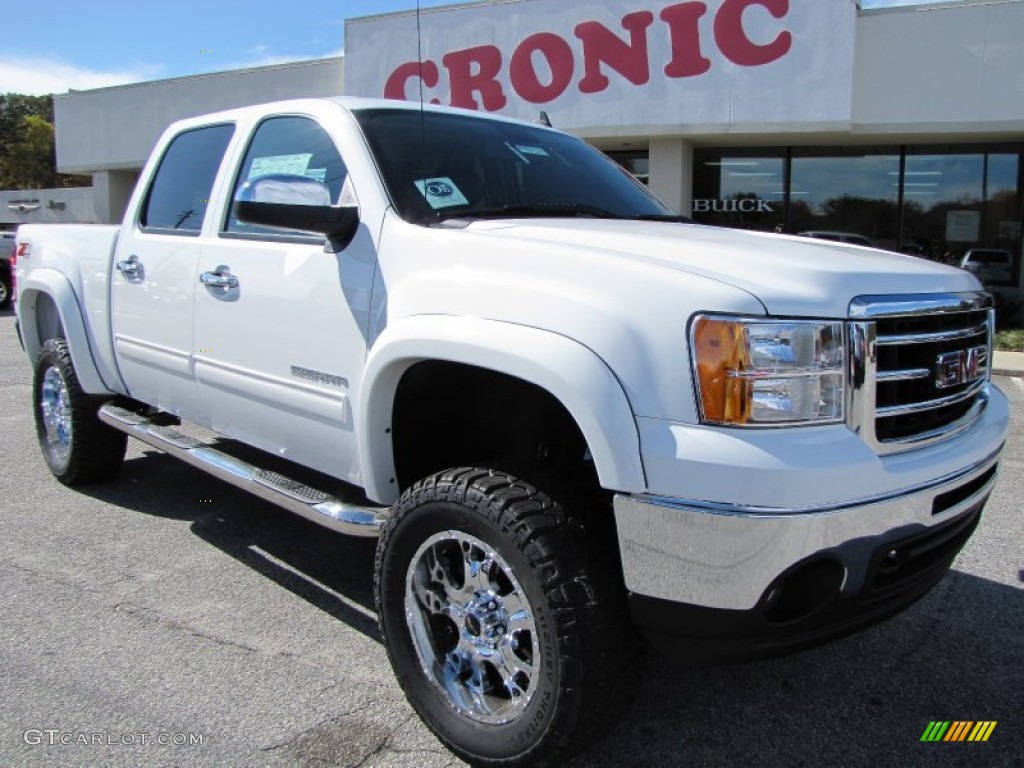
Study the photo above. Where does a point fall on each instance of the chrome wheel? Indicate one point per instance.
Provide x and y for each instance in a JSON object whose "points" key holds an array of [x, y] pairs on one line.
{"points": [[55, 404], [472, 627]]}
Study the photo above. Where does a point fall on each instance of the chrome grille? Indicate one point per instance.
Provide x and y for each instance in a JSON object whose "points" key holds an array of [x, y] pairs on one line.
{"points": [[919, 367]]}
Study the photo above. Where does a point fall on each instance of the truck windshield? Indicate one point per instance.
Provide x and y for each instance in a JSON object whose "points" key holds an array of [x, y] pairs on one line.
{"points": [[439, 166]]}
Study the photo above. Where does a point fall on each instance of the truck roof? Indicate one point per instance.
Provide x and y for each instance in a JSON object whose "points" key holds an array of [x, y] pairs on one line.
{"points": [[350, 103]]}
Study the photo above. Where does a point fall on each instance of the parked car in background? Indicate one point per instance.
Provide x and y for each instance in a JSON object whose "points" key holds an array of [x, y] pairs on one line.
{"points": [[990, 265], [840, 237], [6, 257], [913, 249]]}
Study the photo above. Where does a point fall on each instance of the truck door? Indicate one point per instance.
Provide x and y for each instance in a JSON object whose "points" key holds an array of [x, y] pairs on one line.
{"points": [[153, 282], [281, 323]]}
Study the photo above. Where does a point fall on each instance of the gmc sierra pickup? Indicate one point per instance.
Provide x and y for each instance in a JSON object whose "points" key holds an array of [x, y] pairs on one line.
{"points": [[567, 413]]}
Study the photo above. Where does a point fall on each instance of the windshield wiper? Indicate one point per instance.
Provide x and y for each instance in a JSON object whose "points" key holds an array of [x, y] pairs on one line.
{"points": [[554, 210]]}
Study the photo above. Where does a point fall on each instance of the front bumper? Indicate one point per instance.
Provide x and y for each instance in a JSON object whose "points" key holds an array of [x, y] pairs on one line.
{"points": [[812, 612], [729, 581]]}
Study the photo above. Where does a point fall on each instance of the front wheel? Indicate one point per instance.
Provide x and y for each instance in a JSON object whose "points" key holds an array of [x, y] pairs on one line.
{"points": [[77, 446], [504, 618]]}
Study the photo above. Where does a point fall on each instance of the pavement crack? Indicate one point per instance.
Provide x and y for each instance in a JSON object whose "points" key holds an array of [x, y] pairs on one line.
{"points": [[148, 614], [383, 746], [327, 722], [125, 606]]}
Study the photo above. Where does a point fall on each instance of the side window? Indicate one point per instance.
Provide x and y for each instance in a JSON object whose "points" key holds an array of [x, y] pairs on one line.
{"points": [[180, 191], [289, 159]]}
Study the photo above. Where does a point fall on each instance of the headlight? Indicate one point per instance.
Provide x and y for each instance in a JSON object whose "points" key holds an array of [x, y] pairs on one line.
{"points": [[768, 372]]}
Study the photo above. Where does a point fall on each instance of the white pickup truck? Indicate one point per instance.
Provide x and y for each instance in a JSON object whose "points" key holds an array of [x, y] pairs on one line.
{"points": [[567, 413]]}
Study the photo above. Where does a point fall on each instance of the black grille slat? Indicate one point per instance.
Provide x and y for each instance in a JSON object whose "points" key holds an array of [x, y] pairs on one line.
{"points": [[923, 355], [902, 427], [912, 325]]}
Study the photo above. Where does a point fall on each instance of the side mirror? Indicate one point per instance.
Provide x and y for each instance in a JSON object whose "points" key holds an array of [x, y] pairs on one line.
{"points": [[338, 224], [293, 202]]}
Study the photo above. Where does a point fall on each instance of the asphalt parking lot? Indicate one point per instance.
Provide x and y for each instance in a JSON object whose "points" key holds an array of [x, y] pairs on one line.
{"points": [[169, 619]]}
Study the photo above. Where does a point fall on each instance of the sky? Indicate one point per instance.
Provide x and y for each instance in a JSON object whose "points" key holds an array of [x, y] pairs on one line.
{"points": [[80, 44], [62, 45]]}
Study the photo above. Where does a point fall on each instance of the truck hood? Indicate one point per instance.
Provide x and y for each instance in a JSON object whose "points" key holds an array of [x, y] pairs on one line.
{"points": [[789, 275]]}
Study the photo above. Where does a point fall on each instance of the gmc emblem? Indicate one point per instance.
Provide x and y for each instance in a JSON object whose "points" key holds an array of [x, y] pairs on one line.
{"points": [[960, 367]]}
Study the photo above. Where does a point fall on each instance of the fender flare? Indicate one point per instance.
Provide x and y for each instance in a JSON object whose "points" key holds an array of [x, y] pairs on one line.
{"points": [[569, 371], [51, 283]]}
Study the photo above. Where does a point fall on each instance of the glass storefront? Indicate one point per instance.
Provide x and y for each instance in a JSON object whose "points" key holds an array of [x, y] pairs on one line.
{"points": [[932, 201], [637, 163]]}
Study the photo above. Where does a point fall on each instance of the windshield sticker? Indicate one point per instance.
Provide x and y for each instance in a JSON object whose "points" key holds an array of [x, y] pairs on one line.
{"points": [[295, 165], [441, 192], [319, 174], [528, 150]]}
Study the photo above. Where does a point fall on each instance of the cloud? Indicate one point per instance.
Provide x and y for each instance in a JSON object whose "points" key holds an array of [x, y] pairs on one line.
{"points": [[43, 74], [260, 56]]}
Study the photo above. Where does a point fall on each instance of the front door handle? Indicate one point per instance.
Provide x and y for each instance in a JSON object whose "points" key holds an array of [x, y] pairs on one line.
{"points": [[221, 277], [130, 268]]}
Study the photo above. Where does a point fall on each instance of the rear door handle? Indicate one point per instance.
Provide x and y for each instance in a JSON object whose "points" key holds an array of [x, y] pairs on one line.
{"points": [[221, 277]]}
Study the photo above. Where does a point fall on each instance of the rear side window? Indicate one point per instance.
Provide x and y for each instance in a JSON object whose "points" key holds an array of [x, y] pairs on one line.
{"points": [[180, 192]]}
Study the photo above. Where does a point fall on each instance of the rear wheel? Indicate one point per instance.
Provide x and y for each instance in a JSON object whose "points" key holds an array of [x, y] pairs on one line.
{"points": [[5, 292], [504, 618], [77, 446]]}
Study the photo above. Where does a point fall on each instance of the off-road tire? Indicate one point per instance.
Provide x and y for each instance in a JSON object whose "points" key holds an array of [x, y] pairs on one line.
{"points": [[592, 658], [94, 451]]}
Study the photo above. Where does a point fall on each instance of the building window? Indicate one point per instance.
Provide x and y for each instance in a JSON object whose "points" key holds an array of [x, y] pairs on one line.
{"points": [[937, 202], [846, 192], [637, 163], [957, 198], [943, 197], [1003, 214], [740, 188]]}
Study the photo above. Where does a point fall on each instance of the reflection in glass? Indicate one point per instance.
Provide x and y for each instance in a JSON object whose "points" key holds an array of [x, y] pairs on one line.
{"points": [[1003, 209], [942, 203], [637, 163], [847, 191], [954, 197]]}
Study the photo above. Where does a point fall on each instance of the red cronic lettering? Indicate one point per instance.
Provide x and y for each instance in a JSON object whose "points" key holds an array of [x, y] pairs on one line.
{"points": [[733, 40], [476, 70], [523, 73], [684, 26], [426, 71], [602, 46]]}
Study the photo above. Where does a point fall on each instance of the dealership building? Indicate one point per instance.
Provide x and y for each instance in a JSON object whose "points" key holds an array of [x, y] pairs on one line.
{"points": [[902, 125]]}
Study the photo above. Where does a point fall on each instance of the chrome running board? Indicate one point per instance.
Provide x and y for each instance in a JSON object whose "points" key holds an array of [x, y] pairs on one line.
{"points": [[311, 503]]}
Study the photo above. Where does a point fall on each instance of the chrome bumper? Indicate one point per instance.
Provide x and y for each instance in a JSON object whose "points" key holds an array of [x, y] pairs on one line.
{"points": [[729, 557]]}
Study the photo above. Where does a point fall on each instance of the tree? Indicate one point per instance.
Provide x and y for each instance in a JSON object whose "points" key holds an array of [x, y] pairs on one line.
{"points": [[27, 147], [29, 162]]}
